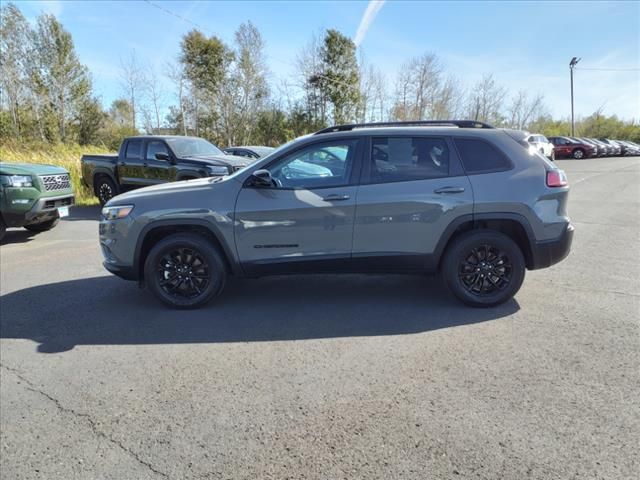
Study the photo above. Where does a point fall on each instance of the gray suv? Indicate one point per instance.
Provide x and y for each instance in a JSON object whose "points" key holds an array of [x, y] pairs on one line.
{"points": [[459, 197]]}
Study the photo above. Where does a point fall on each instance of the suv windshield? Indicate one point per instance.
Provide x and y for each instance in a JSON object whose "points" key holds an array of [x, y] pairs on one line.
{"points": [[192, 147]]}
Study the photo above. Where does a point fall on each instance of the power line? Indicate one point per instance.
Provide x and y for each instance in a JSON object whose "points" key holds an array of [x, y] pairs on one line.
{"points": [[610, 69]]}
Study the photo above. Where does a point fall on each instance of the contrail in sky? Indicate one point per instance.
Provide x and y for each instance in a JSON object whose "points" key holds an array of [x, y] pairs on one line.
{"points": [[367, 19]]}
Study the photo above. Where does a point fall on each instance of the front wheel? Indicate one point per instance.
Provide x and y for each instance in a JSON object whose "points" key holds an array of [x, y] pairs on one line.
{"points": [[43, 226], [105, 189], [185, 270], [483, 268], [578, 153]]}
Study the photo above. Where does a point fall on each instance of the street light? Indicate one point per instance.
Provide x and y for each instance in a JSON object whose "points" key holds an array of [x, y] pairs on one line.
{"points": [[574, 61]]}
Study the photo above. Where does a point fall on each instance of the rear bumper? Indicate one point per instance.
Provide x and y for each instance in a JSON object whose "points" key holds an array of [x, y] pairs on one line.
{"points": [[550, 252]]}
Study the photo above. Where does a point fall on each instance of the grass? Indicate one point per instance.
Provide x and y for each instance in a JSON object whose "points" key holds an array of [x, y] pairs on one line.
{"points": [[63, 155]]}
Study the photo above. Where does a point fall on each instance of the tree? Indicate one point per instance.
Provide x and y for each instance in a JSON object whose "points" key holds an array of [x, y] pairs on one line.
{"points": [[485, 101], [133, 81], [14, 41], [90, 120], [523, 110], [251, 77], [59, 74], [339, 79]]}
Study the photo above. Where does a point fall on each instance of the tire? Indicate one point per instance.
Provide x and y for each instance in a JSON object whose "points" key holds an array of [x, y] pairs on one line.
{"points": [[3, 228], [492, 282], [578, 154], [553, 156], [182, 256], [43, 226], [105, 189]]}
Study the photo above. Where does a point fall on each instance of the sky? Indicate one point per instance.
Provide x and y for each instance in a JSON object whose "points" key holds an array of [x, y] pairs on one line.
{"points": [[525, 45]]}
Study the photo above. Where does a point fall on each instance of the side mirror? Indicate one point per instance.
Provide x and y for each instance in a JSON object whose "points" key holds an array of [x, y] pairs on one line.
{"points": [[163, 156], [261, 178]]}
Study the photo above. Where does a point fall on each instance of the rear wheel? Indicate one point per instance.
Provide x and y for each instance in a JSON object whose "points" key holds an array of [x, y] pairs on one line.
{"points": [[483, 268], [43, 226], [185, 270], [578, 153], [105, 189]]}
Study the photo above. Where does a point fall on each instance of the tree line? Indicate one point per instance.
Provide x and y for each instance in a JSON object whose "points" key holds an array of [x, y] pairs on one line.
{"points": [[226, 93]]}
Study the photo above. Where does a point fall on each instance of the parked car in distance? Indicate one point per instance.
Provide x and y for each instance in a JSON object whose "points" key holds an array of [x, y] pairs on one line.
{"points": [[249, 152], [605, 148], [542, 145], [567, 147], [616, 150], [33, 196], [470, 202], [631, 149], [150, 160], [600, 150]]}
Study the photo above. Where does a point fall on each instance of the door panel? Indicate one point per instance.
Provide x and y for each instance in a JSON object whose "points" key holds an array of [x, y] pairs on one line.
{"points": [[413, 188], [405, 220], [157, 171], [131, 166], [296, 227]]}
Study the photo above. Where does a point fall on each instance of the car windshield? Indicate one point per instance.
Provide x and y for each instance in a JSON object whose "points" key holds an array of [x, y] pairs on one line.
{"points": [[192, 147], [262, 151]]}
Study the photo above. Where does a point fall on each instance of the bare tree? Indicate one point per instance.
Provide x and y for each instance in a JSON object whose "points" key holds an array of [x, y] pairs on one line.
{"points": [[153, 96], [486, 100], [177, 75], [132, 80], [522, 110]]}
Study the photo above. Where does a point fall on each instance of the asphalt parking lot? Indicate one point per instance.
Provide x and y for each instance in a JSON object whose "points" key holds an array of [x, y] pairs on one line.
{"points": [[325, 377]]}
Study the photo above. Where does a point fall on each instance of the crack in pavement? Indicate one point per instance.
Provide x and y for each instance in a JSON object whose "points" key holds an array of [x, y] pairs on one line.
{"points": [[92, 424]]}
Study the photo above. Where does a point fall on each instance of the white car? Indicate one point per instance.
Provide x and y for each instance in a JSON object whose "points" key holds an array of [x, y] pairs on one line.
{"points": [[541, 144]]}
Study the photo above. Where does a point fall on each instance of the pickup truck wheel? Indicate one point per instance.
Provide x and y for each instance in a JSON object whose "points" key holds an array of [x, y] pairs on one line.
{"points": [[105, 189], [185, 270], [483, 268], [43, 226]]}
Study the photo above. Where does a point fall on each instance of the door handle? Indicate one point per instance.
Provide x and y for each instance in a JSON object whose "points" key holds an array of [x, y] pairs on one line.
{"points": [[449, 190], [335, 198]]}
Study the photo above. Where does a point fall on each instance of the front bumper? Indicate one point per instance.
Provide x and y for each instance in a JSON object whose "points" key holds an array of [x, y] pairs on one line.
{"points": [[126, 273], [21, 210], [550, 252]]}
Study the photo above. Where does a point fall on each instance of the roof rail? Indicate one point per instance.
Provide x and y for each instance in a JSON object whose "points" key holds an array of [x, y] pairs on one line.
{"points": [[410, 123]]}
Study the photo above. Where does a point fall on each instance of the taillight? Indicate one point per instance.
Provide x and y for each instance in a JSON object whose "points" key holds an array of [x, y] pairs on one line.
{"points": [[556, 178]]}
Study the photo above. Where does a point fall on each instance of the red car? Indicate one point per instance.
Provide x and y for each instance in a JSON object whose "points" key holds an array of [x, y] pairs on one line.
{"points": [[567, 147]]}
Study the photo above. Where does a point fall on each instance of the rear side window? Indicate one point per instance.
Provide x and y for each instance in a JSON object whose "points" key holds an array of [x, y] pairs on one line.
{"points": [[479, 156], [134, 149], [402, 159]]}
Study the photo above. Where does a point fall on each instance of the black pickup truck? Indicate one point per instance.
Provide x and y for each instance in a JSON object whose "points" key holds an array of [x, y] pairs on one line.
{"points": [[149, 160]]}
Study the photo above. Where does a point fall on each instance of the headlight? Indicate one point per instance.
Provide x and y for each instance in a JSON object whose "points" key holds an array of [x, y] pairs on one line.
{"points": [[17, 180], [114, 213], [218, 170]]}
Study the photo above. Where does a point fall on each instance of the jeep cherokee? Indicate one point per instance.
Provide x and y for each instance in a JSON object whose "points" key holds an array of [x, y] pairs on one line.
{"points": [[459, 197]]}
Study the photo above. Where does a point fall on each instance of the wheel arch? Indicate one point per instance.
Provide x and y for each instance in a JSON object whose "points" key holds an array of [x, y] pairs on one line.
{"points": [[513, 225], [152, 233]]}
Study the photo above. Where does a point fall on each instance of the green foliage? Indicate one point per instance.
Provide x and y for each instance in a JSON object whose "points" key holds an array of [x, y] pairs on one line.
{"points": [[205, 60], [593, 126], [340, 77]]}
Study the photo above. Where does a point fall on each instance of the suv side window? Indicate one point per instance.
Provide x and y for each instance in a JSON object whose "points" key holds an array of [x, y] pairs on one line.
{"points": [[320, 165], [479, 156], [403, 159], [155, 146], [134, 149]]}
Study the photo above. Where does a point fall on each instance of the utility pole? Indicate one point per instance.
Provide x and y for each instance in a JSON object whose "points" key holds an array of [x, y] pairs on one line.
{"points": [[574, 61]]}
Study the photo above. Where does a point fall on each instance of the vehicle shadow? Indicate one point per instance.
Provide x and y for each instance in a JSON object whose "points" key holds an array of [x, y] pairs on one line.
{"points": [[110, 311], [17, 236]]}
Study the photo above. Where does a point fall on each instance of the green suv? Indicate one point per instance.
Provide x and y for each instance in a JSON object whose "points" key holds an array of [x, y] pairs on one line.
{"points": [[33, 196], [461, 198]]}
